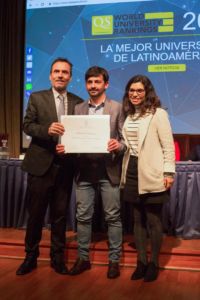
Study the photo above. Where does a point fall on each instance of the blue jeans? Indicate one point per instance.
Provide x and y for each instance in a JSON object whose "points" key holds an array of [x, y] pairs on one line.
{"points": [[85, 196]]}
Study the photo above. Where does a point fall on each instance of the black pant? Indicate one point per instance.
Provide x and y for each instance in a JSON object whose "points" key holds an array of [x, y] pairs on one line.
{"points": [[53, 189], [147, 222]]}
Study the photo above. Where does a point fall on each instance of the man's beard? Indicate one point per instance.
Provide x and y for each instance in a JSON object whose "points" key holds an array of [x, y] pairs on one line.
{"points": [[99, 93]]}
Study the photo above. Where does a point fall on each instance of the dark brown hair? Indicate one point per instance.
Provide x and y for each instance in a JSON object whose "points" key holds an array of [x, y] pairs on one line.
{"points": [[151, 99], [62, 59], [96, 71]]}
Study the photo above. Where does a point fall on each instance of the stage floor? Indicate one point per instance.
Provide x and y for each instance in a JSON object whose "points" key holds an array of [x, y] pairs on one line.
{"points": [[179, 276], [176, 253]]}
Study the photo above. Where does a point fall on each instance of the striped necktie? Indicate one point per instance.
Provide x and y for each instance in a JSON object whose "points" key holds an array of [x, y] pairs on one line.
{"points": [[61, 107]]}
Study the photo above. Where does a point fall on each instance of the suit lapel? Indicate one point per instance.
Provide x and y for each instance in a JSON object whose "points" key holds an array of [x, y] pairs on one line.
{"points": [[107, 107], [143, 130], [70, 104], [85, 108], [52, 105]]}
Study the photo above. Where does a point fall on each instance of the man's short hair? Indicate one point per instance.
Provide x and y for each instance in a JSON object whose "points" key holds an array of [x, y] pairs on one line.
{"points": [[95, 71], [62, 59]]}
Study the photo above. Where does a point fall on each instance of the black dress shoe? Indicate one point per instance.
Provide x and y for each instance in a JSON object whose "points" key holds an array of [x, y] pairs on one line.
{"points": [[59, 267], [80, 266], [151, 273], [140, 271], [27, 266], [113, 270]]}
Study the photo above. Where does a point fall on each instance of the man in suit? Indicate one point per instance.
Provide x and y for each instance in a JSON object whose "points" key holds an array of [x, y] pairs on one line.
{"points": [[50, 176], [99, 172]]}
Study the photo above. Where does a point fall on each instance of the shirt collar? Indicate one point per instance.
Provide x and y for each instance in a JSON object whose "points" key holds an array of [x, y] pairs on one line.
{"points": [[91, 104], [56, 94]]}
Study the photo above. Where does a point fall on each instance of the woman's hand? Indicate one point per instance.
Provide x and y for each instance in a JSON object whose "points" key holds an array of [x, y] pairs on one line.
{"points": [[168, 182]]}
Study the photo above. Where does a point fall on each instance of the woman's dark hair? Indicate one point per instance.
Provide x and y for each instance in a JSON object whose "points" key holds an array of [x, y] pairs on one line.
{"points": [[151, 99]]}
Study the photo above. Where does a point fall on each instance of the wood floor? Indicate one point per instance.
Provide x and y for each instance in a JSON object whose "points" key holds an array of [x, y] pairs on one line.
{"points": [[179, 277]]}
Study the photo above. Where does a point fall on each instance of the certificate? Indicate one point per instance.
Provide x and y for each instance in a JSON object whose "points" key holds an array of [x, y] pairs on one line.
{"points": [[86, 133]]}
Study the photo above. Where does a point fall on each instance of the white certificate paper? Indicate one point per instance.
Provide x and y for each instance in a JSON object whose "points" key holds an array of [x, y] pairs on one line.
{"points": [[86, 133]]}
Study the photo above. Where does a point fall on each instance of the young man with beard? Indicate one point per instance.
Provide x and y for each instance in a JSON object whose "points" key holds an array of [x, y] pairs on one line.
{"points": [[99, 173]]}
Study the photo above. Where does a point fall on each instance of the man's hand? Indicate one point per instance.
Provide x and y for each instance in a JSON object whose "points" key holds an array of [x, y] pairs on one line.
{"points": [[56, 129], [60, 149], [113, 145]]}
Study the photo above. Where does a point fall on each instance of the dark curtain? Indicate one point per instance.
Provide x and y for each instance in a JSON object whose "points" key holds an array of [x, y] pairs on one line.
{"points": [[11, 63]]}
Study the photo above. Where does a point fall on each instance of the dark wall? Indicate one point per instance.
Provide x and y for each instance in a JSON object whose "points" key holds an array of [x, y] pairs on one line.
{"points": [[11, 63], [186, 143]]}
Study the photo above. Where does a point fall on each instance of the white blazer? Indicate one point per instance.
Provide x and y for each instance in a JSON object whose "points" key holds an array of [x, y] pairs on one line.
{"points": [[156, 152]]}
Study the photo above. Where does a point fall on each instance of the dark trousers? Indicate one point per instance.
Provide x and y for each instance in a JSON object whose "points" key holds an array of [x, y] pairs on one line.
{"points": [[147, 222], [53, 189]]}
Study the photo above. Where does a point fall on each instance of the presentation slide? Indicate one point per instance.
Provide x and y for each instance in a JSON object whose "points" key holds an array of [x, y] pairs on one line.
{"points": [[160, 39]]}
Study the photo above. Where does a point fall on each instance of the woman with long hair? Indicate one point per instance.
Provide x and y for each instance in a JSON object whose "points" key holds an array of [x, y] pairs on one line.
{"points": [[148, 169]]}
